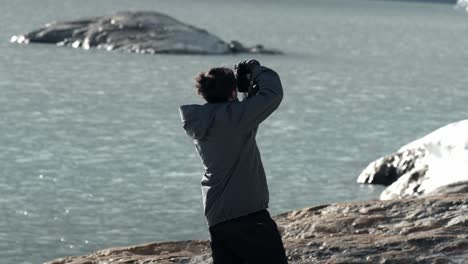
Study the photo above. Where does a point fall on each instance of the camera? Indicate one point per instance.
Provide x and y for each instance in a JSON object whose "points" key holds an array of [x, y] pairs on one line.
{"points": [[243, 77]]}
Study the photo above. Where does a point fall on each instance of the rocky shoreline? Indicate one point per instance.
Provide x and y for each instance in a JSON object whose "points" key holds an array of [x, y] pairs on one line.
{"points": [[424, 230]]}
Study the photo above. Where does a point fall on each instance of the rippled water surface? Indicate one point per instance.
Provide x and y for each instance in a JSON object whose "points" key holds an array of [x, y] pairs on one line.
{"points": [[92, 153]]}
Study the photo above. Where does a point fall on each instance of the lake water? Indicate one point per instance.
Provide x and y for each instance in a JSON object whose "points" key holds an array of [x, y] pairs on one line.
{"points": [[92, 153]]}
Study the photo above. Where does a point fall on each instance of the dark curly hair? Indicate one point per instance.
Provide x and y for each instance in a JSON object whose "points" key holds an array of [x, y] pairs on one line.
{"points": [[216, 85]]}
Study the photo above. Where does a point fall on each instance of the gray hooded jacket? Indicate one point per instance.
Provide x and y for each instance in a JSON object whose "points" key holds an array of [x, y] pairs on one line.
{"points": [[234, 183]]}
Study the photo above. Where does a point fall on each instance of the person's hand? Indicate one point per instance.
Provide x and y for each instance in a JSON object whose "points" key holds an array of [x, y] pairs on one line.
{"points": [[243, 72], [249, 65]]}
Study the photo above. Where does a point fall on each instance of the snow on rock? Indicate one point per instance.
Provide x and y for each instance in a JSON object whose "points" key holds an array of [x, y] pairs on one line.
{"points": [[434, 164], [462, 5]]}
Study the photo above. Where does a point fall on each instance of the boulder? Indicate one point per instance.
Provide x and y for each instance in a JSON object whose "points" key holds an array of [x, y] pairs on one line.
{"points": [[425, 230], [434, 164], [139, 32]]}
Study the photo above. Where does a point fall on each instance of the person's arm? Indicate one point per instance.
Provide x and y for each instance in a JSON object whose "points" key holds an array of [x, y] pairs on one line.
{"points": [[256, 108]]}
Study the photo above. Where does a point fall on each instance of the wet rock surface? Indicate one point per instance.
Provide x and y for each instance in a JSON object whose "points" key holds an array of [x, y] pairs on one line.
{"points": [[138, 32], [434, 164], [426, 230]]}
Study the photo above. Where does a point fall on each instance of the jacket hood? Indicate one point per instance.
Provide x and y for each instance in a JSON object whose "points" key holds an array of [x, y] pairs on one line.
{"points": [[197, 119]]}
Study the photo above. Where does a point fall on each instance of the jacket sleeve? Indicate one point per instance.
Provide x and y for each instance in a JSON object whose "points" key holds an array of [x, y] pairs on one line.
{"points": [[255, 109]]}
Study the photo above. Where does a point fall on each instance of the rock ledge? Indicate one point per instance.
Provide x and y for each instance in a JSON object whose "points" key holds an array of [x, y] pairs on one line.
{"points": [[427, 230]]}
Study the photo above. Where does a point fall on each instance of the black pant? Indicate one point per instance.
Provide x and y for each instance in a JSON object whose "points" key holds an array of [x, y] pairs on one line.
{"points": [[252, 239]]}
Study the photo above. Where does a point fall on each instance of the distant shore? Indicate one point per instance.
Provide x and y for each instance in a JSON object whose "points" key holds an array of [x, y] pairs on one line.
{"points": [[425, 1]]}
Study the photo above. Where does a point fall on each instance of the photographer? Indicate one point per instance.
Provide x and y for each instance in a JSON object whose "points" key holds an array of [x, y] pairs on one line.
{"points": [[234, 186]]}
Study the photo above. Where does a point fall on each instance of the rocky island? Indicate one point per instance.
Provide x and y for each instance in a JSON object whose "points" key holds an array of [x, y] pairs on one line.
{"points": [[136, 32]]}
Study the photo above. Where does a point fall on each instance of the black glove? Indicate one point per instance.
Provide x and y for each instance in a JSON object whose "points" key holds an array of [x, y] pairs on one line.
{"points": [[243, 72]]}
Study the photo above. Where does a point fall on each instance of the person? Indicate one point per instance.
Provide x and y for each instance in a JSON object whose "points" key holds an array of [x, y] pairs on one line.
{"points": [[234, 186]]}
